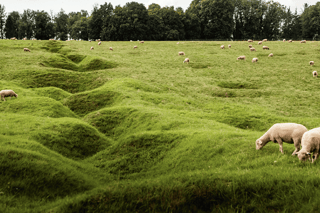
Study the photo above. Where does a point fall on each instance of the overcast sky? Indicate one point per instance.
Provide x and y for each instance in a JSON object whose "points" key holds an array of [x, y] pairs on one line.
{"points": [[78, 5]]}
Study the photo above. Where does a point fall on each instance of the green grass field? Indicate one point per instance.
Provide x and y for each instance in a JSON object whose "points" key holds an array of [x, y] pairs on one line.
{"points": [[138, 130]]}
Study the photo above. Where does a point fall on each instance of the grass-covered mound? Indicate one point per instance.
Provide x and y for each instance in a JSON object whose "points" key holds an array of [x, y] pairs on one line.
{"points": [[52, 92]]}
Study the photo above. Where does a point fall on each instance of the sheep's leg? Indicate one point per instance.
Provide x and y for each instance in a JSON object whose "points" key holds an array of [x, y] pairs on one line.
{"points": [[280, 145], [315, 156], [297, 145]]}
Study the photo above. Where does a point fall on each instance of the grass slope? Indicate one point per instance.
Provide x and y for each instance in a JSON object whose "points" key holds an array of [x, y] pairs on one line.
{"points": [[137, 130]]}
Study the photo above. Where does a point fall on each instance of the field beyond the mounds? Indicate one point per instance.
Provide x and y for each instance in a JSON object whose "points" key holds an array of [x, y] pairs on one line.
{"points": [[138, 130]]}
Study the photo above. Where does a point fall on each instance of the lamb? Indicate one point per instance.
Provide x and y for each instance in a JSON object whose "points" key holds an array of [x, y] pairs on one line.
{"points": [[110, 48], [91, 48], [283, 132], [229, 46], [310, 142], [311, 63], [241, 58], [260, 42], [270, 55], [250, 40], [186, 60], [303, 41], [252, 49], [6, 93], [222, 47], [181, 53], [315, 74], [250, 46], [265, 47], [254, 60], [135, 47], [26, 50], [99, 43]]}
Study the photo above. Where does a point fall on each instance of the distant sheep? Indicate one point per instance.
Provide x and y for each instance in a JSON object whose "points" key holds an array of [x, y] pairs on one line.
{"points": [[270, 55], [181, 53], [24, 39], [283, 132], [229, 46], [264, 40], [265, 47], [177, 42], [290, 41], [110, 48], [135, 47], [187, 60], [250, 40], [260, 42], [241, 58], [252, 49], [284, 40], [141, 42], [13, 38], [99, 43], [254, 60], [7, 93], [310, 142], [51, 39], [303, 41], [91, 48], [26, 50], [250, 46], [222, 47], [311, 63], [315, 74]]}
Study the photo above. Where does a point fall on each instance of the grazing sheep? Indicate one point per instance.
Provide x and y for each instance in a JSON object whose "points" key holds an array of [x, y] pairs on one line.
{"points": [[135, 47], [250, 40], [311, 63], [26, 50], [315, 74], [290, 41], [264, 40], [99, 43], [91, 48], [270, 55], [250, 46], [260, 42], [141, 42], [303, 41], [254, 60], [310, 142], [6, 93], [24, 39], [13, 38], [284, 40], [110, 48], [222, 47], [51, 39], [186, 60], [253, 49], [241, 58], [265, 47], [181, 53], [283, 132], [177, 42], [229, 46]]}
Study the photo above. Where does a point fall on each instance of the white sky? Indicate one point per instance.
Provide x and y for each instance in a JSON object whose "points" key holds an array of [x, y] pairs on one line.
{"points": [[78, 5]]}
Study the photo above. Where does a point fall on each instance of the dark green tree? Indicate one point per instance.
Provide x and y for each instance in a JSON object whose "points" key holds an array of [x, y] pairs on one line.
{"points": [[2, 20], [12, 27], [44, 27], [26, 24], [61, 25]]}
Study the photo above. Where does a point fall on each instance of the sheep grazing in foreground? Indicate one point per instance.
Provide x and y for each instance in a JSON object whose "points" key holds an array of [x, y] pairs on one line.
{"points": [[181, 53], [7, 93], [250, 40], [222, 47], [254, 60], [26, 50], [310, 142], [110, 48], [303, 41], [252, 49], [270, 55], [290, 41], [311, 63], [260, 42], [135, 47], [229, 46], [241, 58], [265, 47], [91, 48], [315, 74], [283, 132], [284, 40], [250, 46], [141, 42], [187, 60], [99, 43]]}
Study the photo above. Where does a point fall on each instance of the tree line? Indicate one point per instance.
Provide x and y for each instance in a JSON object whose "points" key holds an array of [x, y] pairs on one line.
{"points": [[203, 20]]}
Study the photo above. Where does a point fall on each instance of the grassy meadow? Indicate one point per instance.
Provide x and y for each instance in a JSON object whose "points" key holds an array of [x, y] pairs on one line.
{"points": [[138, 130]]}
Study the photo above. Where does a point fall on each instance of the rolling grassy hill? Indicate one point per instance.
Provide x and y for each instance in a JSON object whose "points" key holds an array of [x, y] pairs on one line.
{"points": [[137, 130]]}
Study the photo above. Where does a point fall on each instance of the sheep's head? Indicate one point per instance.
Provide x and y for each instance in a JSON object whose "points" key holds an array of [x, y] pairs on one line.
{"points": [[259, 144], [303, 156], [16, 95]]}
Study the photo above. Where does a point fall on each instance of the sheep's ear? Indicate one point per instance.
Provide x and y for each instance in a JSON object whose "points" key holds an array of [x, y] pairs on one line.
{"points": [[260, 142]]}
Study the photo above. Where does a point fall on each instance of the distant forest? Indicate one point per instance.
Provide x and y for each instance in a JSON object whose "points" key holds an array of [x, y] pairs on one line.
{"points": [[203, 20]]}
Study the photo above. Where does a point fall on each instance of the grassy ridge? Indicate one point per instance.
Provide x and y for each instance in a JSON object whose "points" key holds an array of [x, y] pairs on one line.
{"points": [[138, 130]]}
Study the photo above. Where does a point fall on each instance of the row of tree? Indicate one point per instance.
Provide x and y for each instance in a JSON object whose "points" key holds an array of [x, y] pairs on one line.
{"points": [[204, 19]]}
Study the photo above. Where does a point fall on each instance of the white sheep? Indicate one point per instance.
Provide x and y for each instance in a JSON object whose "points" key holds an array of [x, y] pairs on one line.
{"points": [[284, 40], [315, 74], [270, 55], [91, 48], [110, 48], [241, 58], [26, 50], [303, 41], [311, 63], [290, 41], [265, 47], [264, 40], [181, 53], [283, 132], [229, 46], [141, 42], [260, 42], [250, 40], [252, 49], [310, 142], [250, 46], [254, 60], [222, 47], [99, 43], [177, 42], [186, 60], [6, 93], [135, 47]]}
